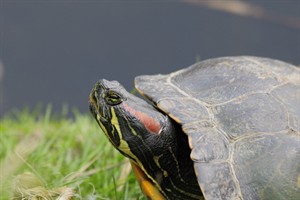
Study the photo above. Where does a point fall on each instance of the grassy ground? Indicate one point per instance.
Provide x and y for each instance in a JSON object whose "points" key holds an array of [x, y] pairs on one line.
{"points": [[48, 157]]}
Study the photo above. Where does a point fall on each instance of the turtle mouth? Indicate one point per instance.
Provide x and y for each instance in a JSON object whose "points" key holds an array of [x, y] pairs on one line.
{"points": [[94, 106]]}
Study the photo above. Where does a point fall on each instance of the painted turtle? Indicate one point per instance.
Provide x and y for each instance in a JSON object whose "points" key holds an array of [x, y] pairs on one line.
{"points": [[224, 128]]}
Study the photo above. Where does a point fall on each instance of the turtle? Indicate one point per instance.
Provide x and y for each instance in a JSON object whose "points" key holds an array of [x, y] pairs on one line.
{"points": [[222, 128]]}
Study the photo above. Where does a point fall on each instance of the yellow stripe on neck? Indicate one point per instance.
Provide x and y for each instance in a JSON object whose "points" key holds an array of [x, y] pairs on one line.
{"points": [[124, 147]]}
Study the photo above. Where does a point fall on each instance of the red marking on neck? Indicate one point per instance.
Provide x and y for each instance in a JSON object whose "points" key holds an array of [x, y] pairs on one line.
{"points": [[149, 122]]}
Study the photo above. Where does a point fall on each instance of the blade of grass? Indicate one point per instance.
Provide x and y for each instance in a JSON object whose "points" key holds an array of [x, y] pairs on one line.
{"points": [[18, 156], [71, 153]]}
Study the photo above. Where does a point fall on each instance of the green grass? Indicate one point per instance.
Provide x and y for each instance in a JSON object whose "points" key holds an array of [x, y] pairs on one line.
{"points": [[43, 156]]}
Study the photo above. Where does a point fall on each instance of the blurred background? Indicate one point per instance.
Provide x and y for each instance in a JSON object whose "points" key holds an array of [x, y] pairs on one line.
{"points": [[54, 51]]}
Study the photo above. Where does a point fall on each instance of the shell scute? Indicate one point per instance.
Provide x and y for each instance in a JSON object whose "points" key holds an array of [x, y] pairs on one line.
{"points": [[157, 87], [184, 110], [289, 96], [265, 167], [207, 143], [252, 114], [227, 79], [216, 181]]}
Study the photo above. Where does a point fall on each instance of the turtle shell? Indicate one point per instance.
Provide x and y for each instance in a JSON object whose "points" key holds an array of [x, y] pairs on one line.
{"points": [[242, 118]]}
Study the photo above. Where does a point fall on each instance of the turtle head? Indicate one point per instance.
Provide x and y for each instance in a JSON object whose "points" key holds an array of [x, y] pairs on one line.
{"points": [[148, 137], [135, 127]]}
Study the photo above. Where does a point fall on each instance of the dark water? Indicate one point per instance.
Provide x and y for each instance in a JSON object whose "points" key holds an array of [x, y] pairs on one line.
{"points": [[54, 51]]}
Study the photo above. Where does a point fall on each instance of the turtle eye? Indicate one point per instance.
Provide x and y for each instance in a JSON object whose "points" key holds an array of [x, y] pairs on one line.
{"points": [[113, 98]]}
